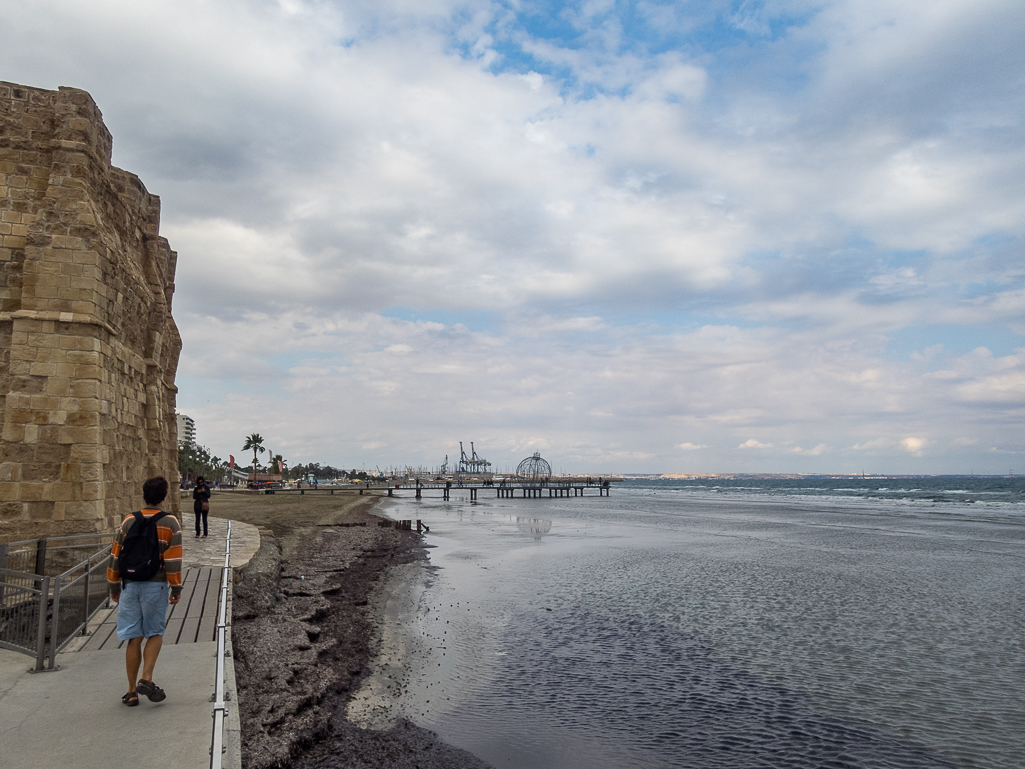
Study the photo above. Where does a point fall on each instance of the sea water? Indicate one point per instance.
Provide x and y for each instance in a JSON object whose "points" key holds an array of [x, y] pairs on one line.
{"points": [[750, 623]]}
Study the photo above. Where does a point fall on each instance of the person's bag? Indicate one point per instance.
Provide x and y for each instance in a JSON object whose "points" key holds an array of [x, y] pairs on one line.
{"points": [[139, 559], [204, 506]]}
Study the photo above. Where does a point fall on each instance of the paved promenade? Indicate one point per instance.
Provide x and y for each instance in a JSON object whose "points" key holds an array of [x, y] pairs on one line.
{"points": [[74, 716]]}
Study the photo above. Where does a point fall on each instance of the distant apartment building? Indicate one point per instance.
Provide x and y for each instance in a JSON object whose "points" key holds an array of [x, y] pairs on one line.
{"points": [[186, 430]]}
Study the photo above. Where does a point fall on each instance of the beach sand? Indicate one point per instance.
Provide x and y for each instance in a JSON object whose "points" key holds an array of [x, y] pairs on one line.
{"points": [[303, 630]]}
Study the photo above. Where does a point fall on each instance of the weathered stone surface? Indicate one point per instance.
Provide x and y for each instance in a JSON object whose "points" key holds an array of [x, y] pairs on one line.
{"points": [[88, 347]]}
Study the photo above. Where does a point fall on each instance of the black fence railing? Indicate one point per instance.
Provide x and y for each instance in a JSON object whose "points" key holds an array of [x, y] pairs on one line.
{"points": [[42, 611]]}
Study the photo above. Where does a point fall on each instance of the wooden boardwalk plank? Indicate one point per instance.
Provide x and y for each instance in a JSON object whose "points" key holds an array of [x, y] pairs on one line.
{"points": [[102, 634], [208, 622], [189, 629], [194, 610], [176, 612], [189, 581], [193, 589]]}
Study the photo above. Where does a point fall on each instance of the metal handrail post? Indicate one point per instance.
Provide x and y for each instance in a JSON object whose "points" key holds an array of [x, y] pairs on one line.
{"points": [[44, 597], [41, 556], [85, 596], [55, 623]]}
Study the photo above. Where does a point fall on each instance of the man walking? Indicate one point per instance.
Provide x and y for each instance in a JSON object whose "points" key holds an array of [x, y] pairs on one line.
{"points": [[147, 558]]}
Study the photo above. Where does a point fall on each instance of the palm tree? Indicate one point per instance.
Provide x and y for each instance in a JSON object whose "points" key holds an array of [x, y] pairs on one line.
{"points": [[254, 442], [277, 461]]}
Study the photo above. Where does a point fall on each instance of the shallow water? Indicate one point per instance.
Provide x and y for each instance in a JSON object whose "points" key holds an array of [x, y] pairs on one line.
{"points": [[678, 625]]}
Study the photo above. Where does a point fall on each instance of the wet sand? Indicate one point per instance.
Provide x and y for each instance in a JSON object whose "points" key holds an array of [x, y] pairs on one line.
{"points": [[303, 630]]}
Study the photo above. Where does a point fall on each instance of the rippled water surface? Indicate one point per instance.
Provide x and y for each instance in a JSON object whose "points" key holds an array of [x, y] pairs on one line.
{"points": [[807, 623]]}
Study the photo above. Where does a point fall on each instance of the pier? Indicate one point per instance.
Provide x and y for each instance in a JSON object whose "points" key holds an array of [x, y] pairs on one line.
{"points": [[443, 489]]}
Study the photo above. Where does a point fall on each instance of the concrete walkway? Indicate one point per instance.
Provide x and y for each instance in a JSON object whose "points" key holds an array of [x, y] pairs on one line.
{"points": [[74, 716]]}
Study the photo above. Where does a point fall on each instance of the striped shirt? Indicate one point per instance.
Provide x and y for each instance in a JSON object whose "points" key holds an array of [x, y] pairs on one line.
{"points": [[169, 533]]}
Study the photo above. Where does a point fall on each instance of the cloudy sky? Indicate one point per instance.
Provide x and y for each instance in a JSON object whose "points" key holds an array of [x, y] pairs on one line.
{"points": [[634, 236]]}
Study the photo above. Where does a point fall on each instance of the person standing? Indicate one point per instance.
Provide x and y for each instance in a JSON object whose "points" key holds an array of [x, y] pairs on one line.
{"points": [[201, 504], [142, 603]]}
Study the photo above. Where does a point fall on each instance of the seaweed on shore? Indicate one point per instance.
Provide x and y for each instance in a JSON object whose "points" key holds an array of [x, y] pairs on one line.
{"points": [[302, 630]]}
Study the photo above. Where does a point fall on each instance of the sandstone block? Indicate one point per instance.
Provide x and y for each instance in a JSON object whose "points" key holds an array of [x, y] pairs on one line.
{"points": [[84, 388], [45, 402], [90, 510], [89, 454], [92, 471], [60, 384], [43, 369], [92, 490], [10, 491], [83, 418], [13, 433], [84, 357], [88, 372], [79, 435], [10, 471], [40, 472], [51, 453], [19, 416], [32, 492]]}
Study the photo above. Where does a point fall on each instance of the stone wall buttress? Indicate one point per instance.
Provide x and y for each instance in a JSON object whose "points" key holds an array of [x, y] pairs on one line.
{"points": [[88, 347]]}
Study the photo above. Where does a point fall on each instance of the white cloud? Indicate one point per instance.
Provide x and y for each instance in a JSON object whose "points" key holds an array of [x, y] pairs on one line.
{"points": [[602, 254], [914, 445], [814, 452]]}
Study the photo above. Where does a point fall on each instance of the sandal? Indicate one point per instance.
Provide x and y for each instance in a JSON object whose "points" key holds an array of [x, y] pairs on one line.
{"points": [[131, 699], [151, 690]]}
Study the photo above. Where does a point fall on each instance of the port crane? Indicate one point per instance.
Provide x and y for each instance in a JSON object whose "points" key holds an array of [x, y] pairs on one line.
{"points": [[473, 464]]}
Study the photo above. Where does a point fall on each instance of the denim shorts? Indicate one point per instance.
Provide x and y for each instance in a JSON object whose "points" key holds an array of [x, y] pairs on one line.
{"points": [[142, 610]]}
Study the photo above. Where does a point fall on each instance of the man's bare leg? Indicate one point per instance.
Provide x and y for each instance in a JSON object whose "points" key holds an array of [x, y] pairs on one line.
{"points": [[133, 658], [150, 654]]}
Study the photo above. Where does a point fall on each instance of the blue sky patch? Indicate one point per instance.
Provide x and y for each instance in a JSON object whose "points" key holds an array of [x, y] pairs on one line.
{"points": [[956, 340]]}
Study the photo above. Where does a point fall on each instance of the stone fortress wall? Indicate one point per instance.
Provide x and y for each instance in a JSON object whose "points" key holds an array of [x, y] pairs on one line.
{"points": [[88, 347]]}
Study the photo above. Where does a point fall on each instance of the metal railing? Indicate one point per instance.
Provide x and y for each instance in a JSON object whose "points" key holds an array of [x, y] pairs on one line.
{"points": [[220, 708], [78, 594], [50, 555], [41, 613], [24, 610]]}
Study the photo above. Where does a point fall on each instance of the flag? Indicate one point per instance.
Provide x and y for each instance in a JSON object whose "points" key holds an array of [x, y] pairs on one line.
{"points": [[232, 460]]}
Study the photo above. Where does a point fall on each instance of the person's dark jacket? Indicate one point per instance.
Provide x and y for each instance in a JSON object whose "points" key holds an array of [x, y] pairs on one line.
{"points": [[200, 494]]}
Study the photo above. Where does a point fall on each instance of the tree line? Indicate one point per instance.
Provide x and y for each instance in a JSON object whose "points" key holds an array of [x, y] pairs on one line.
{"points": [[198, 460]]}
